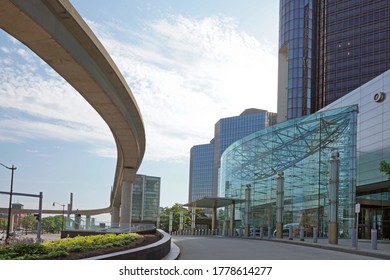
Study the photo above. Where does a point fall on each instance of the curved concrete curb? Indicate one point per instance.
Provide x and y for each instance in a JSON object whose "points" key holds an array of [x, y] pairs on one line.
{"points": [[173, 254], [156, 251]]}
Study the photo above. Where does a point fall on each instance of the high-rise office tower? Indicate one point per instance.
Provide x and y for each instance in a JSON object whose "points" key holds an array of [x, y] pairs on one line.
{"points": [[205, 159], [327, 48], [201, 171], [145, 199]]}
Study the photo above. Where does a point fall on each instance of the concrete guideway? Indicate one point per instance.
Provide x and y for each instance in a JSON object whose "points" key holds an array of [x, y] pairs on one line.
{"points": [[57, 33], [224, 248]]}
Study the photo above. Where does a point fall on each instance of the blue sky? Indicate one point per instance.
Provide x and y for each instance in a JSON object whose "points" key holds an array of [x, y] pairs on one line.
{"points": [[188, 64]]}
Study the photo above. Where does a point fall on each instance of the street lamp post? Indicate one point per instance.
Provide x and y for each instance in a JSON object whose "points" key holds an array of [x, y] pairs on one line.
{"points": [[13, 168], [63, 213]]}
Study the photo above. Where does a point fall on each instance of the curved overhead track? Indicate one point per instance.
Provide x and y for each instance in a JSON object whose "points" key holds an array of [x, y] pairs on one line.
{"points": [[56, 32]]}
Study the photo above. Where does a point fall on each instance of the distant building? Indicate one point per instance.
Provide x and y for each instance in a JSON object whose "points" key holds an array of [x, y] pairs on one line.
{"points": [[145, 200], [201, 171], [205, 159], [16, 219]]}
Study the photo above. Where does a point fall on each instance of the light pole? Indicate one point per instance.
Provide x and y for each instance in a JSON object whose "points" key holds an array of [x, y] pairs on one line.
{"points": [[13, 168], [63, 213]]}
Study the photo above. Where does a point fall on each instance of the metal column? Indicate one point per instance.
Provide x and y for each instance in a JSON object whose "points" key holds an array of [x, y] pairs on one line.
{"points": [[333, 197], [279, 204]]}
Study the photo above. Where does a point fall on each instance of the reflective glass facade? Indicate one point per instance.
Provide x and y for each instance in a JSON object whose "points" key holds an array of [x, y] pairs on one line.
{"points": [[296, 41], [145, 199], [205, 159], [357, 36], [201, 171], [229, 130], [300, 148], [327, 49]]}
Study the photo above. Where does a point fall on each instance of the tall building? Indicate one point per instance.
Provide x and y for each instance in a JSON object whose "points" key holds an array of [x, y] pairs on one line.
{"points": [[327, 49], [205, 159], [301, 151], [145, 201], [201, 171]]}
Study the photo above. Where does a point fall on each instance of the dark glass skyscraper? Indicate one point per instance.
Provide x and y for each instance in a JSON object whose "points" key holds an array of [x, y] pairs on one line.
{"points": [[327, 48], [201, 171], [205, 159]]}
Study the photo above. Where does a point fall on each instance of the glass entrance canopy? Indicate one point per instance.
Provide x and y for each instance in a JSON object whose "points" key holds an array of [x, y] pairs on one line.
{"points": [[301, 149]]}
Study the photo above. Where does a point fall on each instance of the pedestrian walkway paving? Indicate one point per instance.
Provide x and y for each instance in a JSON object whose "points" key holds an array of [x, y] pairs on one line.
{"points": [[364, 246], [344, 245]]}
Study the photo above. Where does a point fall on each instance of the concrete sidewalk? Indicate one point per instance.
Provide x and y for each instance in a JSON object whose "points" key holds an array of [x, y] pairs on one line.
{"points": [[344, 245]]}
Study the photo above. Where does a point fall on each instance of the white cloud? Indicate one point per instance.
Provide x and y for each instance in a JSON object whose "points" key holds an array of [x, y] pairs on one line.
{"points": [[185, 73], [36, 103]]}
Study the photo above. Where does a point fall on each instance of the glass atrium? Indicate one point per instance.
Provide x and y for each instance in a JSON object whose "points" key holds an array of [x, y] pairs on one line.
{"points": [[300, 148]]}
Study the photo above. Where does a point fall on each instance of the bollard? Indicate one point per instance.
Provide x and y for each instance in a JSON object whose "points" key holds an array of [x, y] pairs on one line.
{"points": [[261, 232], [269, 233], [302, 234], [290, 233], [353, 237], [374, 239], [315, 234], [254, 232]]}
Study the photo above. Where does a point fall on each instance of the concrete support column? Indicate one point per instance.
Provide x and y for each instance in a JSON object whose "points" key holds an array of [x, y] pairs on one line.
{"points": [[115, 216], [170, 222], [279, 204], [232, 218], [333, 198], [125, 212]]}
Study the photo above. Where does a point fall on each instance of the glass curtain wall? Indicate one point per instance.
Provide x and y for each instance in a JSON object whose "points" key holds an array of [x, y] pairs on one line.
{"points": [[300, 148]]}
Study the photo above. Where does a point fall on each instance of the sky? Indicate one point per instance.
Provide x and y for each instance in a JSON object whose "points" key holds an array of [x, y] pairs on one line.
{"points": [[188, 64]]}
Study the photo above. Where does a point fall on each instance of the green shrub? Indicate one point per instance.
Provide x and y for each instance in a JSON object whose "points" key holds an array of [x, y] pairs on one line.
{"points": [[62, 247], [57, 254]]}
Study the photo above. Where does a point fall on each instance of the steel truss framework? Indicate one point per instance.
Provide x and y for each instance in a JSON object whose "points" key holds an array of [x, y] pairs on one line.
{"points": [[300, 148]]}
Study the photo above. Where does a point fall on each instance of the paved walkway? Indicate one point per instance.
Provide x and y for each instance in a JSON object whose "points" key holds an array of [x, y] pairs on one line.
{"points": [[344, 245]]}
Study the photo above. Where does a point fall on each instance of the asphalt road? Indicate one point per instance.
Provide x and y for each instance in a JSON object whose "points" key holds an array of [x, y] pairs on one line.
{"points": [[220, 248]]}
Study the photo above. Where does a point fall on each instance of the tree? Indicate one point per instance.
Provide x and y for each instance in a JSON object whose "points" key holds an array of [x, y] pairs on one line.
{"points": [[385, 167], [52, 224], [200, 217], [29, 222], [175, 209]]}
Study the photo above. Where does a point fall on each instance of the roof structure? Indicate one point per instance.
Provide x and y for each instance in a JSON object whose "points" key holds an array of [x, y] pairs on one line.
{"points": [[214, 202]]}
